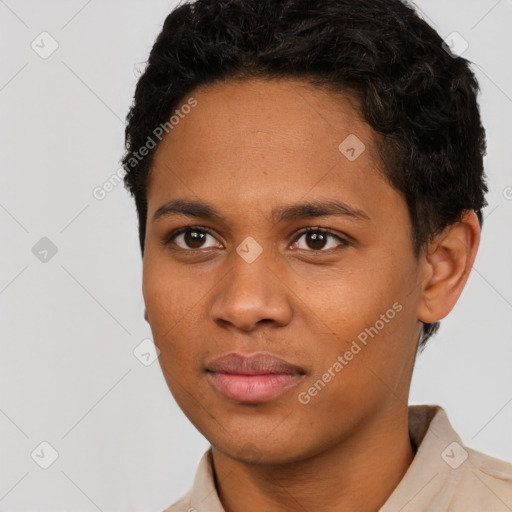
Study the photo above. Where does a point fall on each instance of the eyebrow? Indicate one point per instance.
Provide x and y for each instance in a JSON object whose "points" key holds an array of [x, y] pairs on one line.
{"points": [[308, 209]]}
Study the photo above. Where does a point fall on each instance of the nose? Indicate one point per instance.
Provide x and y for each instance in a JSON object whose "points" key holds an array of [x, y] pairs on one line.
{"points": [[252, 294]]}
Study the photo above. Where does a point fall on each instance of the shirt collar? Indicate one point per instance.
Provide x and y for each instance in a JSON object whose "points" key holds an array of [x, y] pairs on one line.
{"points": [[204, 497], [428, 484]]}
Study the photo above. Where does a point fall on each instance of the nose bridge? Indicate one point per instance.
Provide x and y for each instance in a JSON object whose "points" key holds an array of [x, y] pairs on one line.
{"points": [[251, 274], [252, 291], [251, 270]]}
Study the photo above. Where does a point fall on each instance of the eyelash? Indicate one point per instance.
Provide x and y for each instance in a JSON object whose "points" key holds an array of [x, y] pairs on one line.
{"points": [[324, 231]]}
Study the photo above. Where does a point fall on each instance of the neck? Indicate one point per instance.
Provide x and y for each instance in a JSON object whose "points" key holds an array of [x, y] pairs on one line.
{"points": [[360, 473]]}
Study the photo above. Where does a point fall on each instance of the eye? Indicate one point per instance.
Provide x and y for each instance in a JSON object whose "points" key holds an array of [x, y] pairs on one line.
{"points": [[317, 239], [189, 238], [192, 238]]}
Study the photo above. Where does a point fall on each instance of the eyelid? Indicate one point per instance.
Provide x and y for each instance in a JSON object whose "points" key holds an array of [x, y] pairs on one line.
{"points": [[345, 240], [167, 239]]}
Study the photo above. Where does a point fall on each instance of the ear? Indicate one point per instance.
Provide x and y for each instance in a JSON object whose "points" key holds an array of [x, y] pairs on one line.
{"points": [[447, 263], [146, 316]]}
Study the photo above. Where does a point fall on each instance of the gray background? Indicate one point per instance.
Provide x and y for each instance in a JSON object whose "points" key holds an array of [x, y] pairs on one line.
{"points": [[69, 325]]}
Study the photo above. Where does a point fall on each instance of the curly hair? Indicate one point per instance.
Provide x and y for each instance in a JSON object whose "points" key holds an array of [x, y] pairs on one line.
{"points": [[420, 99]]}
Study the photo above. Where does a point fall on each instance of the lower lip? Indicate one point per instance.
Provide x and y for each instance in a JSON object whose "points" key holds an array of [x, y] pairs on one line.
{"points": [[254, 388]]}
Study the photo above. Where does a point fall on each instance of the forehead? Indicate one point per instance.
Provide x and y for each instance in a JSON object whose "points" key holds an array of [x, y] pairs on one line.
{"points": [[275, 102], [267, 140], [270, 113]]}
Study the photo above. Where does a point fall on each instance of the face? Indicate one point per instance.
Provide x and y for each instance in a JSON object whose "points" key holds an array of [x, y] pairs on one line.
{"points": [[280, 239]]}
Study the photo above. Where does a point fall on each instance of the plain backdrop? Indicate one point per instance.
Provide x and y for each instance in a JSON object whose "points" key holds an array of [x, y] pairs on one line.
{"points": [[70, 266]]}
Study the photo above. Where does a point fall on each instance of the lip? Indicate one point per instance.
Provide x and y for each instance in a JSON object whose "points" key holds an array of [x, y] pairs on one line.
{"points": [[253, 378]]}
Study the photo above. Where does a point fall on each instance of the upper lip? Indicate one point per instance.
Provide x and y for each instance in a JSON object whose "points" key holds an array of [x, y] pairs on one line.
{"points": [[254, 364]]}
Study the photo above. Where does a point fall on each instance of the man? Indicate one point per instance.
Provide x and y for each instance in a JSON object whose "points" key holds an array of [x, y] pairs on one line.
{"points": [[309, 184]]}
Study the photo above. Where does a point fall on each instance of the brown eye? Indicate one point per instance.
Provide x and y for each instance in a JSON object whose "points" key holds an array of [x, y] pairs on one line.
{"points": [[190, 238], [194, 239], [316, 239]]}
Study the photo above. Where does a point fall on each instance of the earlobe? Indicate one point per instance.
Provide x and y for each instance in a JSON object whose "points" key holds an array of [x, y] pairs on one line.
{"points": [[146, 316], [447, 264]]}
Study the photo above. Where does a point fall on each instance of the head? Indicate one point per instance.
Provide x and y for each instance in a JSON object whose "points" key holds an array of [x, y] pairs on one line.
{"points": [[257, 118]]}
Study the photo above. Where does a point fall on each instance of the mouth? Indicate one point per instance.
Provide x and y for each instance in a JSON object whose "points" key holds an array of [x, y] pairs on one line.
{"points": [[253, 379]]}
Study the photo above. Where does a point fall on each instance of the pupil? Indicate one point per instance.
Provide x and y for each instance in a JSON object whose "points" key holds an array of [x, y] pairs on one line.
{"points": [[317, 240], [194, 238]]}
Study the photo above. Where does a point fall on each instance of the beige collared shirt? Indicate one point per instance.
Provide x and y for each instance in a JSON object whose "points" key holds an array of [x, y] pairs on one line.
{"points": [[444, 476]]}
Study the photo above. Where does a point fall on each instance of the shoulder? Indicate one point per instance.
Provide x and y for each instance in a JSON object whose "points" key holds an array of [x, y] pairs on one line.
{"points": [[462, 479], [486, 464], [486, 483], [182, 505]]}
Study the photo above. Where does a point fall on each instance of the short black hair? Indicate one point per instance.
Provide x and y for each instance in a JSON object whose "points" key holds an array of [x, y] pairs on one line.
{"points": [[420, 99]]}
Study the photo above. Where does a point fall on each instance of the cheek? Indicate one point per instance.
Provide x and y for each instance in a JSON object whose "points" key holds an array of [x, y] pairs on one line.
{"points": [[170, 310], [350, 301], [369, 311], [165, 296], [168, 303]]}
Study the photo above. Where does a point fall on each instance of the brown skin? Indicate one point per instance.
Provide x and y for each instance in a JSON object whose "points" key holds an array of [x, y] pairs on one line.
{"points": [[245, 149]]}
